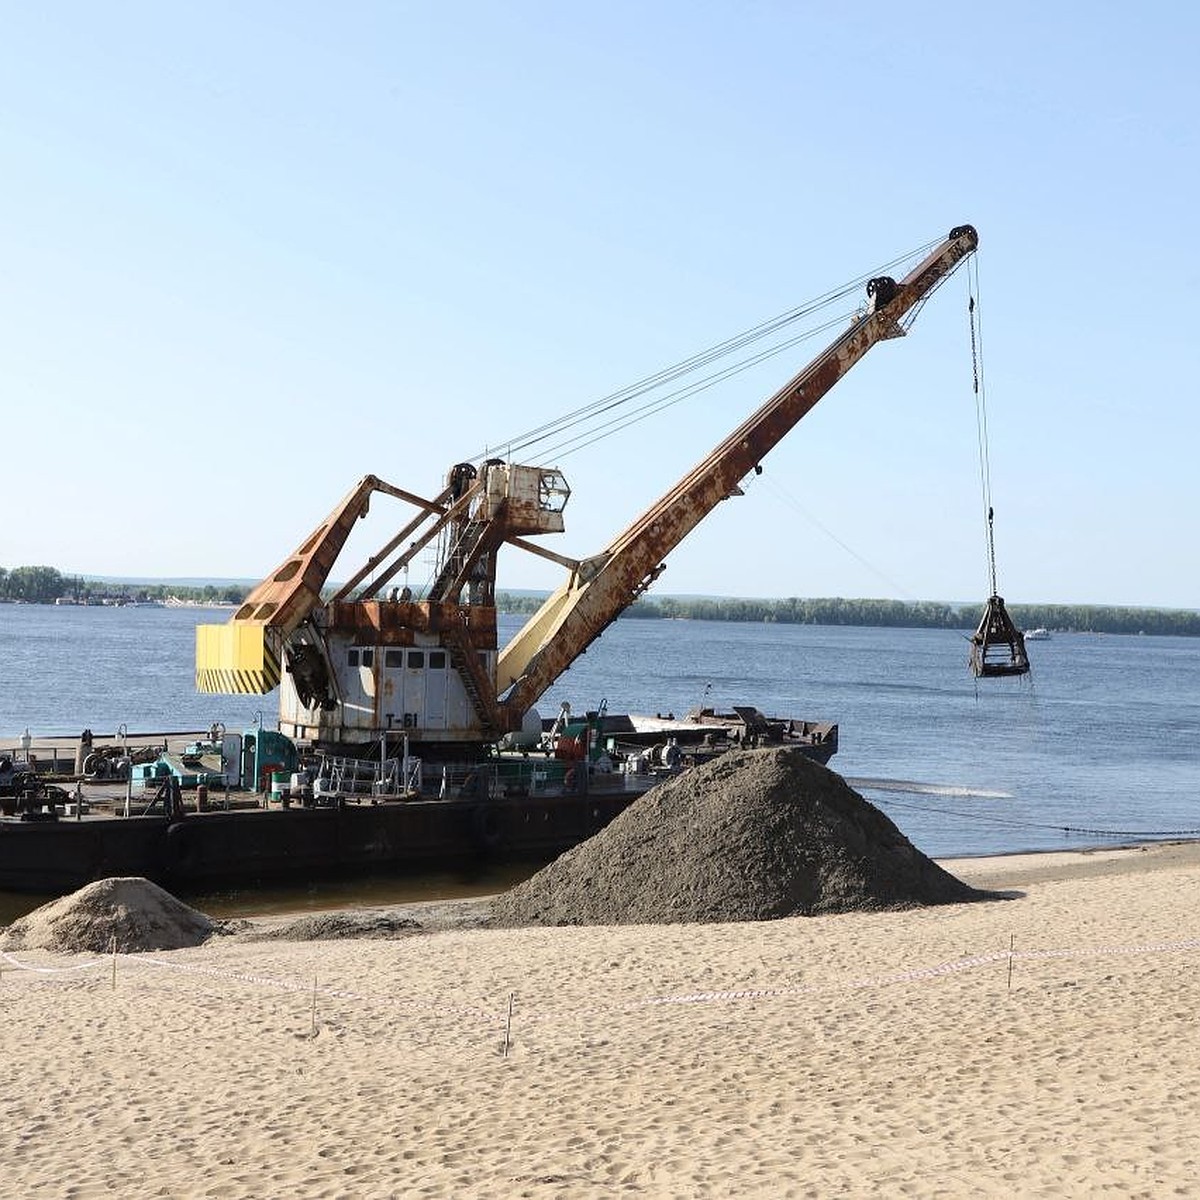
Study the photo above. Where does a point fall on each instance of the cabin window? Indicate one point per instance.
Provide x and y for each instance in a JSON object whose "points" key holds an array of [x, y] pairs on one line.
{"points": [[393, 658], [368, 658], [416, 658], [437, 660], [352, 657]]}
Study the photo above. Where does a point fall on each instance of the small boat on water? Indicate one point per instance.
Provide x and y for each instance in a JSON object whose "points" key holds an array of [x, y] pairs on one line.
{"points": [[1039, 634]]}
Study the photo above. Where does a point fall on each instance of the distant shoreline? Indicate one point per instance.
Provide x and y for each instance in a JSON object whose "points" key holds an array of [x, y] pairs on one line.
{"points": [[46, 585], [114, 603], [826, 614]]}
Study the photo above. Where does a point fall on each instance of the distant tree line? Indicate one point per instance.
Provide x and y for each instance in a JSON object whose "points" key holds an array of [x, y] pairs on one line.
{"points": [[35, 585], [891, 614], [45, 585]]}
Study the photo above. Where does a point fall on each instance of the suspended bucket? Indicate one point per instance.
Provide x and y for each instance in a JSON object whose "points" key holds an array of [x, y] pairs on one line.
{"points": [[998, 646]]}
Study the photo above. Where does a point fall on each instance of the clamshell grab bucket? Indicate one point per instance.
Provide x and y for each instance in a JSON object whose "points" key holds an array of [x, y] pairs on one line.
{"points": [[998, 646]]}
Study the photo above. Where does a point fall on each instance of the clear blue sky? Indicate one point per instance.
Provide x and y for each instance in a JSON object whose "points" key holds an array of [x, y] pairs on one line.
{"points": [[253, 252]]}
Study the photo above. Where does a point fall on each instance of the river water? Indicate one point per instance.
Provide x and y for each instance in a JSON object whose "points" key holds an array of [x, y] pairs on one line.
{"points": [[1101, 746]]}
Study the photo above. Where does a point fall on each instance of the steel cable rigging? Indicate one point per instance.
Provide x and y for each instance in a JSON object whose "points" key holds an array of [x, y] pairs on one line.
{"points": [[597, 433], [583, 426]]}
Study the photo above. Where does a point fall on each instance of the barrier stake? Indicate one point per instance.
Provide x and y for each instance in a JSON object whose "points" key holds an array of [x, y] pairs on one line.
{"points": [[508, 1024], [114, 956], [1012, 942], [314, 1007]]}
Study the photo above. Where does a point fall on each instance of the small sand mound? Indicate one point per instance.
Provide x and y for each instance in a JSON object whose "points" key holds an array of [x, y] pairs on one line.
{"points": [[337, 926], [751, 836], [138, 913]]}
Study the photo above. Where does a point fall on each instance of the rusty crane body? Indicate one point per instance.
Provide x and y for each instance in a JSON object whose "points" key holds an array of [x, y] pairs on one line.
{"points": [[372, 661]]}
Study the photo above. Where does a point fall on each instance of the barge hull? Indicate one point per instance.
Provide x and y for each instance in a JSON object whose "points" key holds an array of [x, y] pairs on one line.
{"points": [[297, 842]]}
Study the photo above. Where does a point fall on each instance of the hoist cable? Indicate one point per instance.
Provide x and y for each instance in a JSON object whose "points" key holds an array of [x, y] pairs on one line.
{"points": [[773, 485], [697, 361], [659, 403], [981, 424], [666, 375], [589, 436]]}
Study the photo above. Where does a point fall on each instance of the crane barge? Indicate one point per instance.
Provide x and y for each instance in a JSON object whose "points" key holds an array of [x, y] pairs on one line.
{"points": [[372, 663], [374, 680]]}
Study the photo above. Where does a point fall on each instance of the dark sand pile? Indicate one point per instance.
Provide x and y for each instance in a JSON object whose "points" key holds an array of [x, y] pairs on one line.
{"points": [[138, 913], [752, 836], [337, 926]]}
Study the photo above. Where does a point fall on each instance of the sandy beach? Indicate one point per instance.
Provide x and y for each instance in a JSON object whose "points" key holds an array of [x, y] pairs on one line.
{"points": [[900, 1053]]}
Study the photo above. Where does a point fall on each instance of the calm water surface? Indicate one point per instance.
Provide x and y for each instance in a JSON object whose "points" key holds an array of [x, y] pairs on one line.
{"points": [[1102, 746]]}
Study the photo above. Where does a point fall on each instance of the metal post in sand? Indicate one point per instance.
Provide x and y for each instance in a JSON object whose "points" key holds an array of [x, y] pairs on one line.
{"points": [[512, 996], [114, 958], [1012, 941], [314, 1007]]}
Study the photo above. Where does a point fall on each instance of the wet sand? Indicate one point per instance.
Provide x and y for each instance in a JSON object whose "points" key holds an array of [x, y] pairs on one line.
{"points": [[887, 1053]]}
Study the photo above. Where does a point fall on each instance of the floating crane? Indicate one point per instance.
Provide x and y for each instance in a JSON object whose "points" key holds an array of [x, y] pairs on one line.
{"points": [[372, 662]]}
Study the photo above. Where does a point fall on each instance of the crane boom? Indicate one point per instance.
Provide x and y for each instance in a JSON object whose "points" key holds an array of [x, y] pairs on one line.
{"points": [[600, 588], [369, 663]]}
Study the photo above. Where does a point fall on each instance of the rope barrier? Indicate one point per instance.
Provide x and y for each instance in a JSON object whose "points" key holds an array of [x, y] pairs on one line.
{"points": [[306, 987], [502, 1017], [20, 966], [1013, 823]]}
